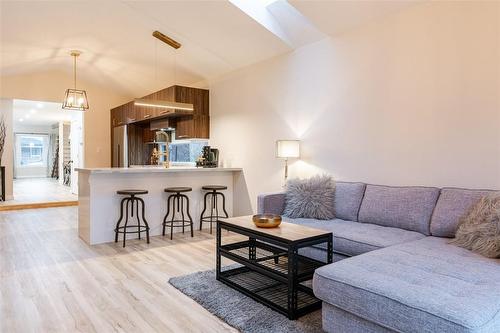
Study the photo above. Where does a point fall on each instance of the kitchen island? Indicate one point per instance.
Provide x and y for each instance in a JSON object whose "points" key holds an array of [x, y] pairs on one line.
{"points": [[99, 205]]}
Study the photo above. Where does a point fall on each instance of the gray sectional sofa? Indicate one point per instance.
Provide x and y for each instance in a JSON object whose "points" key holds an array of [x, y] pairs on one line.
{"points": [[394, 268]]}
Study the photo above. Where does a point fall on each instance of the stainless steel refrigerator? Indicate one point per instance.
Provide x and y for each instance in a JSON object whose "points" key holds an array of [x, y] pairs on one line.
{"points": [[120, 146]]}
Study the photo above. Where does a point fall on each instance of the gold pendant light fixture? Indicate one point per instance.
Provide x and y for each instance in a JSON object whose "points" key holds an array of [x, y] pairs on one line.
{"points": [[75, 99], [185, 107]]}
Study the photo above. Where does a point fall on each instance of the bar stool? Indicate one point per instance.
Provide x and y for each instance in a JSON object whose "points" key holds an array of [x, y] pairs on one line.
{"points": [[214, 192], [137, 228], [179, 198]]}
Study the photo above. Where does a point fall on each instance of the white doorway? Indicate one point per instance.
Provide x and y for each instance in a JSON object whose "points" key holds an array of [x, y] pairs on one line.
{"points": [[48, 145]]}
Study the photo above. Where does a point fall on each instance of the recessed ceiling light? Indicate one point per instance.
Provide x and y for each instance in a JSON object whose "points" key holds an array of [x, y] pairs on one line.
{"points": [[21, 120], [39, 105]]}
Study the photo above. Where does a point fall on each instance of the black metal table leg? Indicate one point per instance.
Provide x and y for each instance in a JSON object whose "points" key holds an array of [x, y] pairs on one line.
{"points": [[292, 283], [218, 258], [252, 249], [330, 250]]}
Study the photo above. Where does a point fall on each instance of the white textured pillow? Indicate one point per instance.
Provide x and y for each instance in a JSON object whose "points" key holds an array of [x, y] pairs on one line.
{"points": [[310, 198]]}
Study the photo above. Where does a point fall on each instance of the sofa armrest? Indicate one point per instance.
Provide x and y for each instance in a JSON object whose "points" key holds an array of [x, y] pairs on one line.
{"points": [[271, 203]]}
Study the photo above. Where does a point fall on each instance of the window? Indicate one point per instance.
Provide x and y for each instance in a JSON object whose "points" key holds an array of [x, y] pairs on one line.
{"points": [[31, 150]]}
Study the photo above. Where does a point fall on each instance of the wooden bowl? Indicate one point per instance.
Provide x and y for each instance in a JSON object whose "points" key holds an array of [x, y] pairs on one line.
{"points": [[266, 220]]}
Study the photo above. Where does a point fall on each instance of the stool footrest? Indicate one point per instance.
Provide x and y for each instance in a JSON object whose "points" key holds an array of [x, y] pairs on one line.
{"points": [[141, 227], [180, 223], [213, 218]]}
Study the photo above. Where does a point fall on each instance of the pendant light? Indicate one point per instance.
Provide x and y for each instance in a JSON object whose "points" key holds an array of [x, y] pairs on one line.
{"points": [[186, 107], [75, 99]]}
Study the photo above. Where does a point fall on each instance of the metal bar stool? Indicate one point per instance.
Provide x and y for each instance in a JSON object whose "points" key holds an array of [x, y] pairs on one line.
{"points": [[213, 193], [180, 199], [131, 200]]}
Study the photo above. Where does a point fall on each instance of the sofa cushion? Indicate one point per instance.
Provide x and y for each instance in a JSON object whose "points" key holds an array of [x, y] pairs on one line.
{"points": [[320, 254], [452, 204], [348, 197], [271, 203], [310, 198], [354, 238], [426, 284], [407, 208]]}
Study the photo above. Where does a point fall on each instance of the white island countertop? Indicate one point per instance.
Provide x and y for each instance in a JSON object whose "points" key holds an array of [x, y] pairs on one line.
{"points": [[155, 169], [100, 205]]}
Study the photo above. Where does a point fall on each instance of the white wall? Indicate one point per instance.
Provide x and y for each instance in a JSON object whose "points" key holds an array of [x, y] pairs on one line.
{"points": [[412, 99], [50, 87], [6, 109], [33, 129], [76, 140]]}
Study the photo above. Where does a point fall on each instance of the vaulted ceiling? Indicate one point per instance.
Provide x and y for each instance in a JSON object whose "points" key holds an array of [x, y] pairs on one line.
{"points": [[119, 52]]}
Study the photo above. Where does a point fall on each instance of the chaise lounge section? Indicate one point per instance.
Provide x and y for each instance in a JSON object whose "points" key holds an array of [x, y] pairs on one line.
{"points": [[399, 273]]}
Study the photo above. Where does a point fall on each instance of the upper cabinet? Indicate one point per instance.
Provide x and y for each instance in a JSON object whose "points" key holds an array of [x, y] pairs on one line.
{"points": [[195, 125], [124, 114]]}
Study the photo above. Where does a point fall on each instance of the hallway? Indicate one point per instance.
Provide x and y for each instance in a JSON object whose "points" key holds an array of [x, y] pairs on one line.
{"points": [[39, 190]]}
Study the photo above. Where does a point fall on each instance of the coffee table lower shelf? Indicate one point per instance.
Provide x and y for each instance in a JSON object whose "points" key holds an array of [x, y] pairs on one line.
{"points": [[269, 291]]}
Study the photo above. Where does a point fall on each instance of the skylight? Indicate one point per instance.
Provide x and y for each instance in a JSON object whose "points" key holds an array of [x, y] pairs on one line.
{"points": [[266, 3], [282, 19]]}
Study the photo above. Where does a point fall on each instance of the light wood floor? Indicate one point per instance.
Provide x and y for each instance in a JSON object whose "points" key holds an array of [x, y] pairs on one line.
{"points": [[51, 281], [39, 190]]}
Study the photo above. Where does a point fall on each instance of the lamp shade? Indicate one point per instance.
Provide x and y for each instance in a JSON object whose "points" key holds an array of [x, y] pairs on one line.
{"points": [[288, 148]]}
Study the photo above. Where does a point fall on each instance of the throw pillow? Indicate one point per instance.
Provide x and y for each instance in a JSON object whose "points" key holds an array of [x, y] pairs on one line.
{"points": [[479, 229], [310, 198]]}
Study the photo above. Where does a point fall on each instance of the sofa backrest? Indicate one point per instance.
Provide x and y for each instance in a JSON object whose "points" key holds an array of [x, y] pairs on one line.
{"points": [[407, 208], [452, 204], [348, 197]]}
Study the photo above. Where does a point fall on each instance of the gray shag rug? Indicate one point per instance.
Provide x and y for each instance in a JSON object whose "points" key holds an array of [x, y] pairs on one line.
{"points": [[238, 310]]}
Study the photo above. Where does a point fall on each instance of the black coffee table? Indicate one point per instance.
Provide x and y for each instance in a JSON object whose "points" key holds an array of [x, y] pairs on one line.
{"points": [[271, 270]]}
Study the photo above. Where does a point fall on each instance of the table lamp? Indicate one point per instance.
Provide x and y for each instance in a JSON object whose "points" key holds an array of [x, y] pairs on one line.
{"points": [[287, 149]]}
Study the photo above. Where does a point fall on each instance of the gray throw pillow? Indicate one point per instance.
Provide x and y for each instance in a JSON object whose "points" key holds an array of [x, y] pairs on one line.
{"points": [[310, 198], [479, 229]]}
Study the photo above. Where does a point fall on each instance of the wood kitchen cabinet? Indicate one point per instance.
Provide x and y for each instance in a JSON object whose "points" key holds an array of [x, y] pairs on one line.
{"points": [[118, 116], [196, 125], [123, 115]]}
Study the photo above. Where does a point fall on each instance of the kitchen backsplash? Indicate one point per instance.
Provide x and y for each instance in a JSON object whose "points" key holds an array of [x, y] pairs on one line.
{"points": [[186, 150]]}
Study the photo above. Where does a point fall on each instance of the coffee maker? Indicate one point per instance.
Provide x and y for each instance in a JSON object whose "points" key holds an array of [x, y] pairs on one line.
{"points": [[209, 158]]}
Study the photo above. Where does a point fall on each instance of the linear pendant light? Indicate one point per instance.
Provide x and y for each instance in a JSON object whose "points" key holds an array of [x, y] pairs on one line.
{"points": [[162, 103], [75, 99]]}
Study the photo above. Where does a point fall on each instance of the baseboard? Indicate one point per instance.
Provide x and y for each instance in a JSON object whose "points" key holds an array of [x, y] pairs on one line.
{"points": [[38, 205]]}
